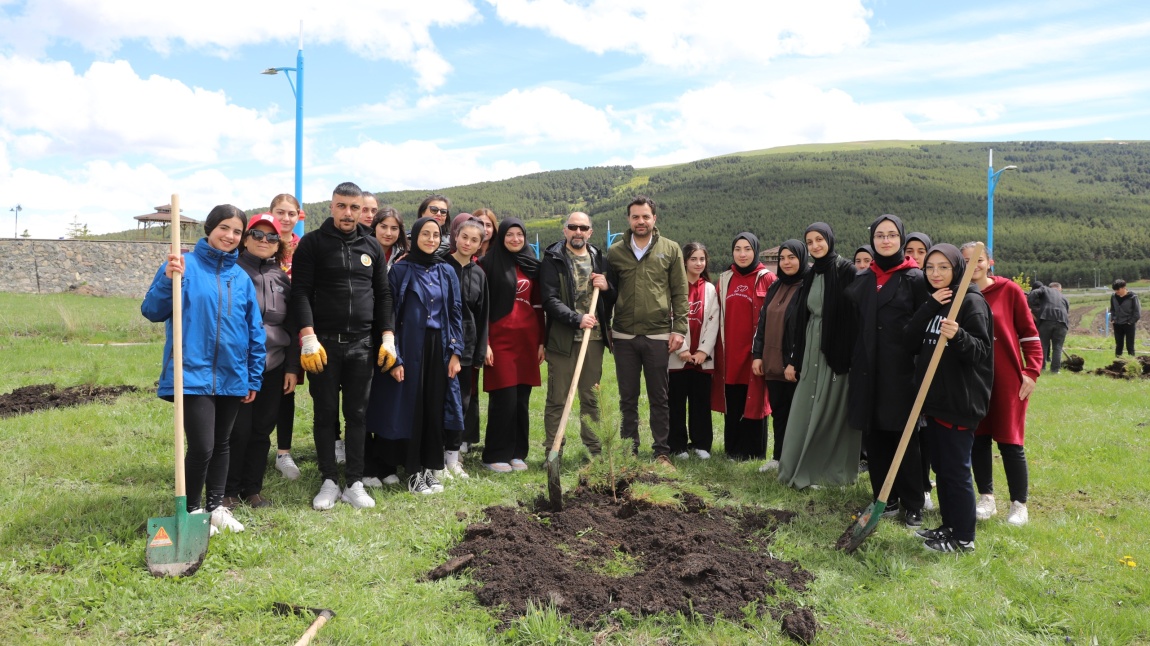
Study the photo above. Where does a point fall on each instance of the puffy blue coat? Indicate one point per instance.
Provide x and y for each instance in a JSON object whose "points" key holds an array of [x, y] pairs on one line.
{"points": [[389, 410], [223, 330]]}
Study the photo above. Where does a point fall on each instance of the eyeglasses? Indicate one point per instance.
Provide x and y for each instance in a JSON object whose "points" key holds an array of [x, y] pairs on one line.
{"points": [[260, 236], [435, 210], [885, 237], [579, 227], [936, 269]]}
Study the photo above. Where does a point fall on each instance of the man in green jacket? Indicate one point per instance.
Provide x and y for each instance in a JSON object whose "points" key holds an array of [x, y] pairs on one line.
{"points": [[650, 319]]}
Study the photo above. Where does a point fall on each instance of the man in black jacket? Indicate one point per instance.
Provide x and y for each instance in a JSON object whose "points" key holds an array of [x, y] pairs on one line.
{"points": [[1125, 311], [342, 306], [1052, 317], [570, 271]]}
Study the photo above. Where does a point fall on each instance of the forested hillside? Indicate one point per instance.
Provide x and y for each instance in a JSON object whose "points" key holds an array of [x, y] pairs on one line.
{"points": [[1070, 208]]}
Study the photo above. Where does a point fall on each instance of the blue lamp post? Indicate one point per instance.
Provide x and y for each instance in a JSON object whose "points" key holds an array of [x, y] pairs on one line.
{"points": [[611, 237], [991, 182], [297, 90]]}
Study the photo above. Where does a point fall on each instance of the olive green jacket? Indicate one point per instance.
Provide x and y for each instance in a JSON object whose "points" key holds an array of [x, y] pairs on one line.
{"points": [[651, 293]]}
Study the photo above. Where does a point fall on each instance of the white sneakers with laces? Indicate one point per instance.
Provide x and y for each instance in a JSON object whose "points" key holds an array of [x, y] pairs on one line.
{"points": [[328, 494], [985, 508], [357, 496], [287, 466], [1018, 515], [223, 520], [374, 483], [769, 465], [703, 455]]}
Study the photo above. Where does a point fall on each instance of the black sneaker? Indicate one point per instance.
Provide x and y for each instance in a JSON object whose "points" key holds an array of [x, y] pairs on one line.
{"points": [[913, 519], [949, 544], [891, 510], [933, 534]]}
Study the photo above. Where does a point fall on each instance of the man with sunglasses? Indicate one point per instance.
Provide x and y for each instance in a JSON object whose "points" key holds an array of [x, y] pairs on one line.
{"points": [[438, 207], [568, 274], [341, 304]]}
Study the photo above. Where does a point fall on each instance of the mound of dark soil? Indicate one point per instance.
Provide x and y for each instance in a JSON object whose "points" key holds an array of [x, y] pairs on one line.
{"points": [[601, 555], [41, 396], [1118, 369]]}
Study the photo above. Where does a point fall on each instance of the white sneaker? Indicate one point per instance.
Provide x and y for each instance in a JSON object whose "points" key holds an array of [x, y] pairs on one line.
{"points": [[443, 475], [1018, 515], [985, 508], [463, 447], [456, 470], [431, 481], [286, 466], [357, 497], [391, 480], [325, 499], [340, 452], [374, 483], [212, 531], [682, 456], [703, 455], [928, 503], [769, 465], [223, 520]]}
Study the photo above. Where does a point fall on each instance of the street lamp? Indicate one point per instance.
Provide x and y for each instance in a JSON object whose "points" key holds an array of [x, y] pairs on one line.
{"points": [[16, 227], [297, 90], [991, 182]]}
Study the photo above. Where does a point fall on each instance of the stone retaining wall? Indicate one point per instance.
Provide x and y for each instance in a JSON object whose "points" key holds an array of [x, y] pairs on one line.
{"points": [[89, 266]]}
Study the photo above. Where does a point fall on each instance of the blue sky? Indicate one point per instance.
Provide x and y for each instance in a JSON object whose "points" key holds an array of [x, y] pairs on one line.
{"points": [[109, 106]]}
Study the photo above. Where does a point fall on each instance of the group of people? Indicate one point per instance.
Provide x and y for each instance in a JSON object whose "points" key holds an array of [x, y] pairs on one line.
{"points": [[391, 325]]}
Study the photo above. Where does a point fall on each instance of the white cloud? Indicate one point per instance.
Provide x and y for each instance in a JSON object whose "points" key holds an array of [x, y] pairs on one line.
{"points": [[109, 110], [423, 164], [397, 31], [544, 114], [695, 34]]}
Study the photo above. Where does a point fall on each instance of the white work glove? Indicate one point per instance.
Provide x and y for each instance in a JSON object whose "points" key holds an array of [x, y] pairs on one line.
{"points": [[312, 355], [387, 356]]}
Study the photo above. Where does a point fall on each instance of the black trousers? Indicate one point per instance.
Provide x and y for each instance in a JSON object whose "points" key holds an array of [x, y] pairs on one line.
{"points": [[689, 398], [285, 423], [251, 437], [1013, 462], [950, 455], [907, 489], [350, 367], [780, 393], [744, 439], [208, 421], [1124, 332], [1052, 334], [471, 408], [508, 424]]}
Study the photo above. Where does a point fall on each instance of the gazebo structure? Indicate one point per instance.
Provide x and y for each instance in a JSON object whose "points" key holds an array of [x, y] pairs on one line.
{"points": [[770, 258], [163, 217]]}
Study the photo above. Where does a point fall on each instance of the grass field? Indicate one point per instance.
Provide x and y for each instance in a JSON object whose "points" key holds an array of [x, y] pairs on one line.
{"points": [[76, 484]]}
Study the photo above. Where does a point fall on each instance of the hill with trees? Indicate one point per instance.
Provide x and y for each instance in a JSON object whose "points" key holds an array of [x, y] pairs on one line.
{"points": [[1069, 210]]}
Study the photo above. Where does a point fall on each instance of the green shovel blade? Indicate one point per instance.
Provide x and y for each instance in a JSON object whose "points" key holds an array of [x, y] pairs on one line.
{"points": [[865, 525], [177, 544]]}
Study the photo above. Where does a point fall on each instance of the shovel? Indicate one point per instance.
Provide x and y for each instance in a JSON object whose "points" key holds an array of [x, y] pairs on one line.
{"points": [[554, 488], [322, 616], [868, 520], [177, 544]]}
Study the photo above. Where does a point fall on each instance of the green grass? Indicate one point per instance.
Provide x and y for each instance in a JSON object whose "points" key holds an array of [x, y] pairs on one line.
{"points": [[76, 484]]}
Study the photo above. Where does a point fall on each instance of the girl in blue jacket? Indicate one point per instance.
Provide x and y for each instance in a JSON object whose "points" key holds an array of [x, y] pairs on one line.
{"points": [[223, 352]]}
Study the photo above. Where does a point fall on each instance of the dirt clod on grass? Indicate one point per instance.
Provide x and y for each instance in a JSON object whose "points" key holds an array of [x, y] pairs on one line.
{"points": [[30, 399], [801, 626], [600, 555]]}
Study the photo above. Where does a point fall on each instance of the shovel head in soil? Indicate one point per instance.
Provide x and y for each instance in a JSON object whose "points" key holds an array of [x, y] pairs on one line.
{"points": [[554, 488], [177, 544], [865, 525]]}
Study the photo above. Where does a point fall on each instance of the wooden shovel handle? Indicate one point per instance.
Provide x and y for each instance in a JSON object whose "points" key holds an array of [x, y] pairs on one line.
{"points": [[575, 378], [178, 350], [955, 305], [305, 639]]}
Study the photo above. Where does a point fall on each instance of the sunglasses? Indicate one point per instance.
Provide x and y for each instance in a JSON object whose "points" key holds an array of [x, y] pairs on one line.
{"points": [[579, 227], [435, 210], [260, 236]]}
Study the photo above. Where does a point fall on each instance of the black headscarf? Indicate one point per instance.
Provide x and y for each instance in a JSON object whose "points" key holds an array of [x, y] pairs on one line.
{"points": [[867, 248], [800, 251], [953, 255], [888, 263], [839, 318], [499, 264], [754, 242], [921, 237], [415, 254]]}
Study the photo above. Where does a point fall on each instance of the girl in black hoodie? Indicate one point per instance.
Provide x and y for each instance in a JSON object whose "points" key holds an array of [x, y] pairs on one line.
{"points": [[959, 394]]}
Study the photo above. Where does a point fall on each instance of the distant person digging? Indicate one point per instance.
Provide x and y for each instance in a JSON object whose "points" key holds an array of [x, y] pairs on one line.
{"points": [[1052, 315], [1125, 310]]}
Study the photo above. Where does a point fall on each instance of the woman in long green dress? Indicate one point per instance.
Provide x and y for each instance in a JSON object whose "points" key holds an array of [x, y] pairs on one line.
{"points": [[819, 448]]}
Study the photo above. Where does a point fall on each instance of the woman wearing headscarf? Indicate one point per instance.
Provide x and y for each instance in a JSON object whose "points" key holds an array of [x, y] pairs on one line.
{"points": [[515, 334], [819, 447], [916, 246], [959, 395], [864, 256], [882, 391], [1017, 363], [742, 289], [419, 403], [775, 338]]}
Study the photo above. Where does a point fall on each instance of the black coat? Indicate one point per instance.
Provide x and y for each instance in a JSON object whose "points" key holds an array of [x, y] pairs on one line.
{"points": [[339, 282], [883, 368], [557, 285], [837, 343], [476, 305]]}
